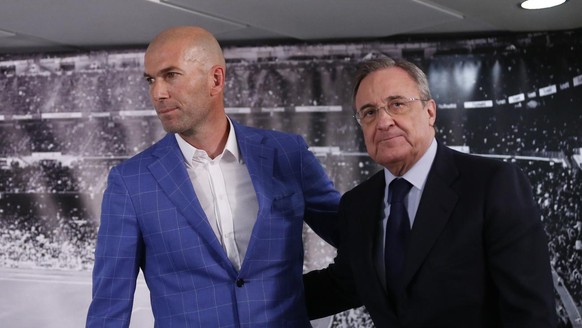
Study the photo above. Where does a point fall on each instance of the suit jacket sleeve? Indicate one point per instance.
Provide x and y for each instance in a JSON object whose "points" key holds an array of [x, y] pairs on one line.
{"points": [[332, 290], [321, 198], [118, 255], [517, 254]]}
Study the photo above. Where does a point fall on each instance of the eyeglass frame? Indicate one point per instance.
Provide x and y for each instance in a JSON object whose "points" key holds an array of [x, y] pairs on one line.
{"points": [[389, 101]]}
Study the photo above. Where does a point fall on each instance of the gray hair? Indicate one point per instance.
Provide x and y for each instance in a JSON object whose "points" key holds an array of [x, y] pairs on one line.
{"points": [[371, 65]]}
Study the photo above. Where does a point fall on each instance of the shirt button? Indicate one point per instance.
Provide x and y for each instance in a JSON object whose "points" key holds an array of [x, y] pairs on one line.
{"points": [[240, 282]]}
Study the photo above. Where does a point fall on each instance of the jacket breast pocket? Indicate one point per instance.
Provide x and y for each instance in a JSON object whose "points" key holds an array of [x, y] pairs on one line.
{"points": [[288, 205], [286, 218]]}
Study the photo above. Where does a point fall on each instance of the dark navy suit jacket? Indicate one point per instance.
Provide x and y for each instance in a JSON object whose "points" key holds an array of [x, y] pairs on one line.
{"points": [[477, 254]]}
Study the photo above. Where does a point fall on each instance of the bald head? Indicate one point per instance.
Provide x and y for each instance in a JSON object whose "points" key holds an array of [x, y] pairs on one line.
{"points": [[196, 44], [185, 71]]}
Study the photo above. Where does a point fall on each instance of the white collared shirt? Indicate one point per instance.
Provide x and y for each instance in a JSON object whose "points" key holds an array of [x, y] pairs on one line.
{"points": [[225, 191], [417, 176]]}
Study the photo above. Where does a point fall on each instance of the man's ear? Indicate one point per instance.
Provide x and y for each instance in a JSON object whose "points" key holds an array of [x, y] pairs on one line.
{"points": [[431, 109], [217, 77]]}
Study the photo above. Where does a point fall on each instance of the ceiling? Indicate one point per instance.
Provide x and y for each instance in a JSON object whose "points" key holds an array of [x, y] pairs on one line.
{"points": [[28, 26]]}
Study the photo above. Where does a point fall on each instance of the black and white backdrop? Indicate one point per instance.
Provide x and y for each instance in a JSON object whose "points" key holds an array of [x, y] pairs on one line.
{"points": [[66, 119]]}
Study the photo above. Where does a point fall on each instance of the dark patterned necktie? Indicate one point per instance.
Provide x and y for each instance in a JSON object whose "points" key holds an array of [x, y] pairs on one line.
{"points": [[397, 231]]}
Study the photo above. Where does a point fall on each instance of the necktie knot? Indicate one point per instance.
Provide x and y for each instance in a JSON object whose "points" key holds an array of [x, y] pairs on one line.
{"points": [[399, 188]]}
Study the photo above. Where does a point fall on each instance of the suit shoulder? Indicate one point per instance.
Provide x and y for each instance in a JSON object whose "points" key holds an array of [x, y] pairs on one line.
{"points": [[482, 164], [374, 182], [143, 158], [267, 132], [272, 137]]}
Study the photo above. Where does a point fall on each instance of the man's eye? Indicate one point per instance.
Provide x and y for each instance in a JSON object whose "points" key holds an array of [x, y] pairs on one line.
{"points": [[149, 80], [171, 75], [398, 106], [369, 112]]}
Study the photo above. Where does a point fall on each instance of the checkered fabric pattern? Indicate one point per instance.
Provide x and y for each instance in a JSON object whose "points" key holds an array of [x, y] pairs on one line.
{"points": [[151, 220]]}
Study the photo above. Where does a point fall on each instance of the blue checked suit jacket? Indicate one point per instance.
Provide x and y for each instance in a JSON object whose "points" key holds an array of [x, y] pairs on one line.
{"points": [[151, 219]]}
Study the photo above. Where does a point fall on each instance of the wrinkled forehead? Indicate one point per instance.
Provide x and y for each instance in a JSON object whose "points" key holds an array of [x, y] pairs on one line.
{"points": [[384, 84]]}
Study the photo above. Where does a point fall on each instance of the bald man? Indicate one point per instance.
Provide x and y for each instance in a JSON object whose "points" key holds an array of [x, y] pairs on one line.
{"points": [[212, 213]]}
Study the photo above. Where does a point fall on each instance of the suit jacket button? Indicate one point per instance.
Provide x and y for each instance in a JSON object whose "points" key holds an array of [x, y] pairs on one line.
{"points": [[240, 282]]}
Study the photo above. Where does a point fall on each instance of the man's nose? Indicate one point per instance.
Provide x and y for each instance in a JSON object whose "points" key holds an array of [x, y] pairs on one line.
{"points": [[158, 91], [384, 119]]}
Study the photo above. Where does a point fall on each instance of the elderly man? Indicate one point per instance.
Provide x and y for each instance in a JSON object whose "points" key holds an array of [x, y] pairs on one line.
{"points": [[437, 238]]}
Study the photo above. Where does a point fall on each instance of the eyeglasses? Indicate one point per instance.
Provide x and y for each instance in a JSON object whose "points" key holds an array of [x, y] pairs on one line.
{"points": [[394, 107]]}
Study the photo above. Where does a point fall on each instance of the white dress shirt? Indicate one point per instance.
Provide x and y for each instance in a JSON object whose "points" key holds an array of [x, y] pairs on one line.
{"points": [[225, 191], [417, 176]]}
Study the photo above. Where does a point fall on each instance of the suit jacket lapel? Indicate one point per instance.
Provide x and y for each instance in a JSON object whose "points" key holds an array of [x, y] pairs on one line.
{"points": [[436, 205], [170, 172], [259, 159], [369, 204]]}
